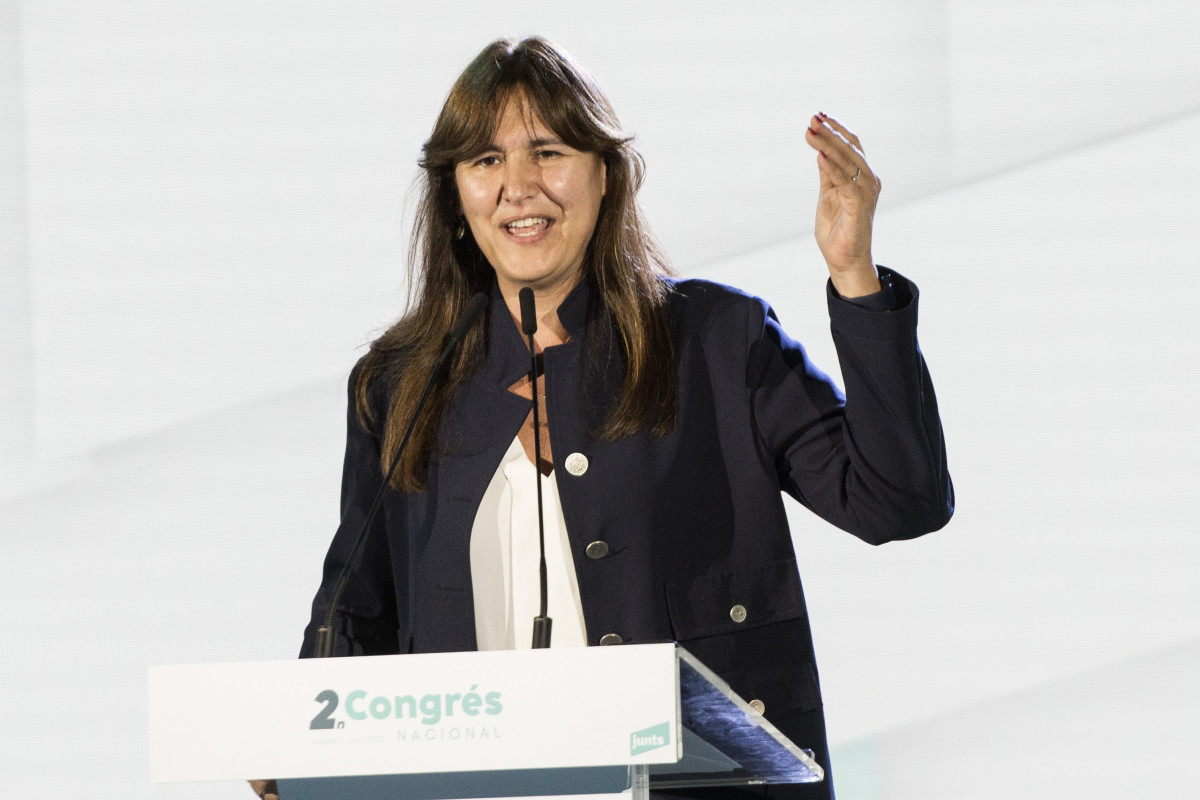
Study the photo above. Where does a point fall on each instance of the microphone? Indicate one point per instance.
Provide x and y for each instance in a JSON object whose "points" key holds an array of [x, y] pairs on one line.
{"points": [[325, 636], [471, 312], [541, 623]]}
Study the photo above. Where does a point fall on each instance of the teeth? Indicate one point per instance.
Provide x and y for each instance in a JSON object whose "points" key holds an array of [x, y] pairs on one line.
{"points": [[526, 223]]}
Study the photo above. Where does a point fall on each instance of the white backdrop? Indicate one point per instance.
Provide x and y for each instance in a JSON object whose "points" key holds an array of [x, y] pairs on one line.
{"points": [[202, 220]]}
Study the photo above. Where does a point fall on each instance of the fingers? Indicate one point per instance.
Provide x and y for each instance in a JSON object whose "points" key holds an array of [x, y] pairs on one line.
{"points": [[837, 150], [835, 141], [267, 790], [841, 159], [842, 131]]}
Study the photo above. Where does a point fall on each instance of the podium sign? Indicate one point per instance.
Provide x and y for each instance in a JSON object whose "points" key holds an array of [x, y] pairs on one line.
{"points": [[429, 713], [467, 725]]}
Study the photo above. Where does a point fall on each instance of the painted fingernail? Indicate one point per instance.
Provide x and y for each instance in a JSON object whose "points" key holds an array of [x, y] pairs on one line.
{"points": [[822, 115], [814, 133]]}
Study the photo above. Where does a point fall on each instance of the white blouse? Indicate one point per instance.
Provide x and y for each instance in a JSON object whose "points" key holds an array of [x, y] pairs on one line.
{"points": [[504, 561]]}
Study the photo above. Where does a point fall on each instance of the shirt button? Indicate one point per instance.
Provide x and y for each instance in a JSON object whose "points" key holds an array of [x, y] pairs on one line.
{"points": [[738, 613], [611, 638], [577, 464], [758, 707], [597, 549]]}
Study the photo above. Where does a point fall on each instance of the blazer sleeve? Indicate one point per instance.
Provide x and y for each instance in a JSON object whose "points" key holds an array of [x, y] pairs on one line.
{"points": [[366, 623], [871, 461]]}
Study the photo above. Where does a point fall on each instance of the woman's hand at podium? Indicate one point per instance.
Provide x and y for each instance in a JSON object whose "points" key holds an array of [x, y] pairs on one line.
{"points": [[267, 790]]}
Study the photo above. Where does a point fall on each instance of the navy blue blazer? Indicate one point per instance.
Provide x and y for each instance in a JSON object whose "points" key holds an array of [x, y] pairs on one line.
{"points": [[694, 520]]}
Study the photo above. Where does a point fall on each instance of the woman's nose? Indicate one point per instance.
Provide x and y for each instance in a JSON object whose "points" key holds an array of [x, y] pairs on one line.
{"points": [[520, 180]]}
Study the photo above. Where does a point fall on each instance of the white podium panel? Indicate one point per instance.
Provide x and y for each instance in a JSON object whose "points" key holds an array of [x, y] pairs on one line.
{"points": [[435, 713]]}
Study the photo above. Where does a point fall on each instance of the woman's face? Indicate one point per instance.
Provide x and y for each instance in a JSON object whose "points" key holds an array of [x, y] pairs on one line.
{"points": [[532, 203]]}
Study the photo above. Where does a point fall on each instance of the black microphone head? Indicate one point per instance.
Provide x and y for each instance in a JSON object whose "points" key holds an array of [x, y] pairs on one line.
{"points": [[470, 313], [528, 315]]}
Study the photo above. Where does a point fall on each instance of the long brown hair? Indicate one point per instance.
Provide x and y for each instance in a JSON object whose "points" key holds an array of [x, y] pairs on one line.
{"points": [[623, 261]]}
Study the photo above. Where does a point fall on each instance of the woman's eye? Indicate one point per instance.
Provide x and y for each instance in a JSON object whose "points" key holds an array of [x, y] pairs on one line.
{"points": [[543, 154], [487, 161]]}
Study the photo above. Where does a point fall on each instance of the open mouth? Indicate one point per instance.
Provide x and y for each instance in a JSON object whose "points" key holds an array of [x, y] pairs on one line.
{"points": [[528, 227]]}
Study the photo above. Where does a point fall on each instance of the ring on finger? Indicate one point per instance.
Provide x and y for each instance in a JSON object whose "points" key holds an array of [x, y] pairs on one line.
{"points": [[856, 174]]}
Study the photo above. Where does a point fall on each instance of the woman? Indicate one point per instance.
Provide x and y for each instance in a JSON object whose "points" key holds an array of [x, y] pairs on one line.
{"points": [[675, 411]]}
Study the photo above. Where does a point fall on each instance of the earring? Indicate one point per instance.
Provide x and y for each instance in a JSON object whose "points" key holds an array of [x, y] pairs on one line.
{"points": [[462, 229]]}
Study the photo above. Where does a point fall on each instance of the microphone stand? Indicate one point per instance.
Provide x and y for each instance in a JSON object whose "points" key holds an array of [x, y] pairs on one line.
{"points": [[325, 636], [542, 622]]}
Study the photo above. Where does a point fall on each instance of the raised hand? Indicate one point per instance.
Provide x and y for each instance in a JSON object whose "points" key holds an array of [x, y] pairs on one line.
{"points": [[845, 207]]}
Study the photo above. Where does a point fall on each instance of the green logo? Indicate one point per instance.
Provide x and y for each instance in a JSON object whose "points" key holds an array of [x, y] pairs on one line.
{"points": [[430, 708], [651, 738]]}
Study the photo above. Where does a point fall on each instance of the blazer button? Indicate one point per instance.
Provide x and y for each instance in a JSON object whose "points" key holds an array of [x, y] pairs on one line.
{"points": [[738, 613], [758, 707], [597, 549], [611, 638], [577, 464]]}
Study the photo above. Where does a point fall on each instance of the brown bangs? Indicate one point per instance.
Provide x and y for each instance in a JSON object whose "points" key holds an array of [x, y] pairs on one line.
{"points": [[548, 84]]}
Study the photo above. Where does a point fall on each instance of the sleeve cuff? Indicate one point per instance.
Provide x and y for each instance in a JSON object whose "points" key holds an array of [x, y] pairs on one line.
{"points": [[877, 316], [893, 294]]}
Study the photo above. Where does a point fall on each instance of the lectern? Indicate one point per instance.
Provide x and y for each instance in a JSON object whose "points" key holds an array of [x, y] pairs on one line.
{"points": [[593, 720]]}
